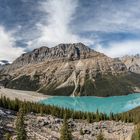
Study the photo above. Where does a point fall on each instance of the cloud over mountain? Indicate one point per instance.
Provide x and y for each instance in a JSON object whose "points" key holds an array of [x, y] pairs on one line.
{"points": [[110, 26], [8, 51], [57, 29]]}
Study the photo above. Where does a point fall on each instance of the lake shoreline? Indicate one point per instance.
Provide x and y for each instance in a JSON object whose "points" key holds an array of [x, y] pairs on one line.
{"points": [[31, 96], [107, 105], [83, 103]]}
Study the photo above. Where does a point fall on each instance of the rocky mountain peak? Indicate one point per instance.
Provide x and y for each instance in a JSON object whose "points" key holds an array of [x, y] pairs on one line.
{"points": [[71, 46], [69, 69], [71, 51], [64, 52]]}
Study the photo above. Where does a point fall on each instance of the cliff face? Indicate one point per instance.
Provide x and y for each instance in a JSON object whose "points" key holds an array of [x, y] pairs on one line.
{"points": [[70, 69], [61, 52], [132, 63]]}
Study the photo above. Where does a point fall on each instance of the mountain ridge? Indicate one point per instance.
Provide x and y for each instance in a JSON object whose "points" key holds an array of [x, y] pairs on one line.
{"points": [[71, 70], [63, 52]]}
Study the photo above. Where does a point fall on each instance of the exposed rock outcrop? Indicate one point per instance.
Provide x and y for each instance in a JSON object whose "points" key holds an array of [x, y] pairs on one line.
{"points": [[132, 63], [48, 127], [70, 69], [61, 52]]}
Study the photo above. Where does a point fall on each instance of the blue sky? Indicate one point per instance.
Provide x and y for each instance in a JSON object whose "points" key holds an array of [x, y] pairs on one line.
{"points": [[108, 26]]}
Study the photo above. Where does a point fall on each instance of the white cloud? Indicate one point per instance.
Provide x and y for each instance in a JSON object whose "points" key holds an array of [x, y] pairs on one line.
{"points": [[56, 25], [113, 16], [8, 51], [119, 49], [59, 15]]}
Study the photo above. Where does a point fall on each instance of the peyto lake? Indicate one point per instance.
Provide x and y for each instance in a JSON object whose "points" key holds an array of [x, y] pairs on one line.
{"points": [[115, 104]]}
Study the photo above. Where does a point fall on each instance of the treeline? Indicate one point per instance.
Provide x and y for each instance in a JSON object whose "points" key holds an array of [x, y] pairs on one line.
{"points": [[61, 112]]}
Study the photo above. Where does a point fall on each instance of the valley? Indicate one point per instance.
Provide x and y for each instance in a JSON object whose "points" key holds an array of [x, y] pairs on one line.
{"points": [[99, 94], [69, 69]]}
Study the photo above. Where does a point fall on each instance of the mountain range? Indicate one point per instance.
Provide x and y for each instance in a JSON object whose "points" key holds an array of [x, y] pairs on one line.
{"points": [[4, 62], [72, 70]]}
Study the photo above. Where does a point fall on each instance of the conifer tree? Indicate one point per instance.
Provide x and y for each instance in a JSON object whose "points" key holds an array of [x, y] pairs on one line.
{"points": [[20, 126], [100, 136], [81, 132], [97, 116], [8, 136], [65, 132], [136, 135]]}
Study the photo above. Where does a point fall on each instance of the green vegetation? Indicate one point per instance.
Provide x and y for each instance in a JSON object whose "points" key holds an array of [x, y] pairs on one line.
{"points": [[20, 126], [88, 88], [81, 132], [131, 116], [8, 136], [51, 90], [65, 131], [60, 112], [25, 83], [136, 135], [134, 114], [100, 136], [104, 85], [47, 109], [110, 85]]}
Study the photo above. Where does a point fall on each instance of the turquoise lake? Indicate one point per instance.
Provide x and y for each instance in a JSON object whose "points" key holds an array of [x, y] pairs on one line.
{"points": [[115, 104]]}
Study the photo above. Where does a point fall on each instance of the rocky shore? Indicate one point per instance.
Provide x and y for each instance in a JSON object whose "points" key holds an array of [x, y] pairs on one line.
{"points": [[47, 127], [22, 95], [7, 118]]}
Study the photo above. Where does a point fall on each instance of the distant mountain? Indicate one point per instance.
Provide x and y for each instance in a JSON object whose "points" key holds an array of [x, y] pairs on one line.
{"points": [[132, 63], [4, 62], [71, 70]]}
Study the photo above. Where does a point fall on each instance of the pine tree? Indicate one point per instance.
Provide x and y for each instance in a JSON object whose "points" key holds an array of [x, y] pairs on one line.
{"points": [[97, 116], [65, 132], [100, 136], [20, 126], [8, 136], [136, 135], [81, 132]]}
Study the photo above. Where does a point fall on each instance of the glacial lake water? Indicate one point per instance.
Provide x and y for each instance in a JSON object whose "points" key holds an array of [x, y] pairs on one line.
{"points": [[115, 104]]}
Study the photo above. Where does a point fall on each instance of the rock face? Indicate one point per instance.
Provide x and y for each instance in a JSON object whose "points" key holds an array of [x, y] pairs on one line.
{"points": [[48, 127], [132, 63], [70, 69], [63, 52]]}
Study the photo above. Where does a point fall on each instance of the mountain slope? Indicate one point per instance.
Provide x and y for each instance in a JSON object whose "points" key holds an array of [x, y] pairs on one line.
{"points": [[71, 70], [132, 63]]}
